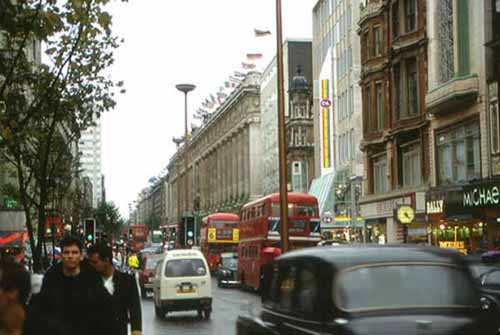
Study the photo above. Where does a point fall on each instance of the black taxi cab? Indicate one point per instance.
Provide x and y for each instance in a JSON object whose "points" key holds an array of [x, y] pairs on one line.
{"points": [[369, 290]]}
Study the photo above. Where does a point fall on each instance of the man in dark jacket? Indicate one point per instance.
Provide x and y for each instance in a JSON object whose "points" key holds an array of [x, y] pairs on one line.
{"points": [[15, 287], [72, 299], [122, 289]]}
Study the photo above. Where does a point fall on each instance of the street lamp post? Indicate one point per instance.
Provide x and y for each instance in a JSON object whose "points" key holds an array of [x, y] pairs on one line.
{"points": [[354, 206], [186, 88], [281, 134]]}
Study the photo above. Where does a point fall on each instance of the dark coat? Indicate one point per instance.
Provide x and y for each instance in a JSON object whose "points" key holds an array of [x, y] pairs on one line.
{"points": [[70, 306], [126, 303]]}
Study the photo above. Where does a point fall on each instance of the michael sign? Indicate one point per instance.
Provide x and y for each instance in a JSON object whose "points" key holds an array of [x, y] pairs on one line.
{"points": [[481, 196]]}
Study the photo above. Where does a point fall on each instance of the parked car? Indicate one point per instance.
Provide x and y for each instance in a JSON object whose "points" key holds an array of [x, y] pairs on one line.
{"points": [[227, 272], [182, 282], [486, 272], [368, 290], [147, 272]]}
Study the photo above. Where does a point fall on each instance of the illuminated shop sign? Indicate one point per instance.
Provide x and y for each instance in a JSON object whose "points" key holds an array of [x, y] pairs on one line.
{"points": [[481, 196], [434, 206]]}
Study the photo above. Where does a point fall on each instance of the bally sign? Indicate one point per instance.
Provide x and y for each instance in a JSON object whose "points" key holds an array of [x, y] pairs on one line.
{"points": [[435, 206], [481, 196]]}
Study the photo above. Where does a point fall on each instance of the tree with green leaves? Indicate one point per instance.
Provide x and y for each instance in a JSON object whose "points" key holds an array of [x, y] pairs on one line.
{"points": [[108, 218], [48, 105], [153, 222]]}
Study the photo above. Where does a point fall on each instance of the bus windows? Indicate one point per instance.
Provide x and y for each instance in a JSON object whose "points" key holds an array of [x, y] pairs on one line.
{"points": [[276, 209], [305, 210]]}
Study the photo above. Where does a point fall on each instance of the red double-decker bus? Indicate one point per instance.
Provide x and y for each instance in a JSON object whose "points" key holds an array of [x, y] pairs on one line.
{"points": [[260, 232], [219, 233]]}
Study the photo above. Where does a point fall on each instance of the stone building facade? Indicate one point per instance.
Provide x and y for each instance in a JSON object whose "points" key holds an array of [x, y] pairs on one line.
{"points": [[296, 52], [462, 106], [299, 127], [224, 157], [395, 128]]}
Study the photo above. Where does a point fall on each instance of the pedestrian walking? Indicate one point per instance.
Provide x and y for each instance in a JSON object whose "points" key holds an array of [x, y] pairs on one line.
{"points": [[15, 288], [72, 299], [133, 261], [122, 289]]}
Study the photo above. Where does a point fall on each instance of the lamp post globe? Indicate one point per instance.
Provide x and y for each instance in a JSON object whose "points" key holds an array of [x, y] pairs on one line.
{"points": [[185, 87]]}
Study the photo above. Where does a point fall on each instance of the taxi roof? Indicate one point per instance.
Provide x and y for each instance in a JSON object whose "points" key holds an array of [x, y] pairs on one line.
{"points": [[340, 257]]}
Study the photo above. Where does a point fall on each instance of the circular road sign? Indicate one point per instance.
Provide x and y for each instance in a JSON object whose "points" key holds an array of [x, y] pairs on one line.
{"points": [[325, 103]]}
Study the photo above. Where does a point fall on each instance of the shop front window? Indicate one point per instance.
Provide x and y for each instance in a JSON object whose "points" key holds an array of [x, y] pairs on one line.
{"points": [[376, 233], [459, 154], [463, 236]]}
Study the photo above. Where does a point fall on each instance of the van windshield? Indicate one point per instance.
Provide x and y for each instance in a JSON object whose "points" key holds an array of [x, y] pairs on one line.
{"points": [[185, 268], [404, 286]]}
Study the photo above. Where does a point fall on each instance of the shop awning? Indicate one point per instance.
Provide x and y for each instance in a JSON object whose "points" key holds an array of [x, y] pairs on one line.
{"points": [[321, 188]]}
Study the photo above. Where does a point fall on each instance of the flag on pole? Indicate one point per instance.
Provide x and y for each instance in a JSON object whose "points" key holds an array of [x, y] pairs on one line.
{"points": [[221, 95], [239, 74], [261, 33], [254, 56], [247, 65], [234, 79]]}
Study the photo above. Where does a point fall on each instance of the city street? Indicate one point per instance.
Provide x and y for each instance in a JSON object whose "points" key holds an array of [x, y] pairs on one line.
{"points": [[228, 303]]}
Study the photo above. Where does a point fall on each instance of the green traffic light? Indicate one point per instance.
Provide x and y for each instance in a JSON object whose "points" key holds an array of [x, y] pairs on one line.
{"points": [[190, 234], [89, 237]]}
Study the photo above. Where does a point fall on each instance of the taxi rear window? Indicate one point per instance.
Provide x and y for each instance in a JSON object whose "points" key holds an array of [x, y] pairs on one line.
{"points": [[404, 286], [185, 268]]}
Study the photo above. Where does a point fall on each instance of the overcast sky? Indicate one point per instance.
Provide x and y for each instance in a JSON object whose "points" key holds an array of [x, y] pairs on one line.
{"points": [[169, 42]]}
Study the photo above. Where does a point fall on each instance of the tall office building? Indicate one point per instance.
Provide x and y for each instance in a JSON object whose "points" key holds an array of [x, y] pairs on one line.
{"points": [[90, 159], [337, 106]]}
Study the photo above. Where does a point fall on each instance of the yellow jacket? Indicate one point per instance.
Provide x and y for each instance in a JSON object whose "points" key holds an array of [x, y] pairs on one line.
{"points": [[133, 262]]}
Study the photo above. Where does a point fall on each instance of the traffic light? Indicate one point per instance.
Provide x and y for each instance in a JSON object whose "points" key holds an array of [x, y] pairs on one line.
{"points": [[189, 230], [89, 230]]}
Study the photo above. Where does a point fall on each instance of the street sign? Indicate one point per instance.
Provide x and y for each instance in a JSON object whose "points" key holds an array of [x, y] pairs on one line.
{"points": [[326, 103], [212, 234]]}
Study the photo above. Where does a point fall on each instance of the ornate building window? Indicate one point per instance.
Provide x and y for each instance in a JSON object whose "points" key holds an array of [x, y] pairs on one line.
{"points": [[458, 154], [368, 109], [395, 19], [379, 95], [410, 15], [380, 184], [445, 36], [412, 86], [396, 73], [410, 161], [494, 117], [377, 42]]}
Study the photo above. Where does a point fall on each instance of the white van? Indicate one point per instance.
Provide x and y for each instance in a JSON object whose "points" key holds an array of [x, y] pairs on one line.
{"points": [[182, 282]]}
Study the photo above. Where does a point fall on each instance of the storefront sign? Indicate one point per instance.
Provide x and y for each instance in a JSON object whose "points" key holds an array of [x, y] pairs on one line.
{"points": [[452, 244], [458, 245], [387, 207], [481, 196], [434, 206]]}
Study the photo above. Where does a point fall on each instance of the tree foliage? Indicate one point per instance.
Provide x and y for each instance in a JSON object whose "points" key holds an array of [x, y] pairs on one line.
{"points": [[109, 219], [48, 105]]}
